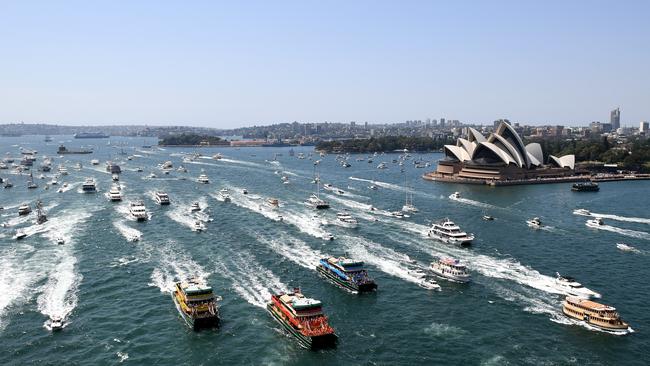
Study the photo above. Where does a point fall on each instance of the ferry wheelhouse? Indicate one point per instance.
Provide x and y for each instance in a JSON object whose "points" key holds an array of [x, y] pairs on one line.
{"points": [[303, 318], [346, 273], [447, 231], [196, 303], [598, 315], [451, 269]]}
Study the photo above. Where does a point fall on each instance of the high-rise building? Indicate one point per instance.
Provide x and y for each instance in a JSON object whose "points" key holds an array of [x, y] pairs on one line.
{"points": [[644, 127], [615, 118], [442, 122]]}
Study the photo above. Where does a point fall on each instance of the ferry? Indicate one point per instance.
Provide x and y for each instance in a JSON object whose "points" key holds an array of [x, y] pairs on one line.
{"points": [[570, 286], [89, 186], [535, 223], [223, 195], [62, 150], [90, 135], [138, 211], [451, 269], [113, 168], [585, 187], [161, 198], [601, 316], [303, 318], [346, 273], [196, 303], [346, 220], [582, 212], [317, 203], [595, 223], [447, 231], [203, 179]]}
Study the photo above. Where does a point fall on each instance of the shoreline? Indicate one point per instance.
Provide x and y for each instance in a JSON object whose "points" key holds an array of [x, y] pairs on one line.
{"points": [[436, 177]]}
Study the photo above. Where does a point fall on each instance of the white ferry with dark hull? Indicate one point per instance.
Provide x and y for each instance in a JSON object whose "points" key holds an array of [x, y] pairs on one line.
{"points": [[451, 269], [346, 273], [447, 231]]}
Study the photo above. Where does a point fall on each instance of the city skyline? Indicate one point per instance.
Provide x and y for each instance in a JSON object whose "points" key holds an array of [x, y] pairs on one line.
{"points": [[229, 65]]}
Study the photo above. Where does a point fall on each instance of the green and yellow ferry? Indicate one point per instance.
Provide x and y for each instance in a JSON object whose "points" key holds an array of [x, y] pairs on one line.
{"points": [[196, 303]]}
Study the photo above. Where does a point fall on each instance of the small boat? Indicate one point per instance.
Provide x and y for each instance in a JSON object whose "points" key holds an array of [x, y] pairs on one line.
{"points": [[41, 217], [153, 175], [317, 203], [182, 169], [195, 207], [597, 315], [94, 162], [89, 186], [217, 156], [327, 236], [451, 269], [447, 231], [139, 169], [56, 323], [115, 178], [574, 288], [382, 166], [203, 179], [626, 248], [487, 218], [397, 214], [585, 187], [54, 182], [535, 223], [42, 176], [272, 203], [63, 170], [582, 212], [454, 196], [60, 240], [20, 234], [223, 195], [303, 318], [198, 226], [7, 184], [161, 198], [346, 273], [346, 220], [595, 223], [244, 191], [196, 303], [429, 284], [373, 187], [24, 209]]}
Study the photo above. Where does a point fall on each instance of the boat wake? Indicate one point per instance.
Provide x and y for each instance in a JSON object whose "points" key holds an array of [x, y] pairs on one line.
{"points": [[250, 280], [293, 249], [173, 265], [472, 202], [127, 232], [638, 220], [390, 186], [252, 203], [59, 294], [626, 232]]}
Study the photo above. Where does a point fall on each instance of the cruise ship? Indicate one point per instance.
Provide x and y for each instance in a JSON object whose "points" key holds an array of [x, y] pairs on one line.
{"points": [[346, 273], [138, 211], [570, 286], [161, 198], [114, 195], [448, 232], [601, 316], [89, 186], [196, 303], [203, 179], [451, 269], [303, 318], [346, 220]]}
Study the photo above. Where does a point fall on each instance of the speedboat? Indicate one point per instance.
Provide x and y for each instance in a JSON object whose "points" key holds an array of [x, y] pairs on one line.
{"points": [[582, 212], [198, 226], [447, 231], [535, 223], [139, 169], [203, 179], [454, 196], [20, 234], [217, 156], [626, 248], [54, 182], [223, 195], [397, 214], [153, 175], [161, 198], [285, 179], [451, 269], [182, 169], [60, 240], [570, 286], [94, 162], [317, 203], [89, 186], [346, 220], [24, 209], [595, 223], [382, 166], [488, 218], [195, 207], [56, 323], [244, 191], [429, 284], [272, 203], [373, 187]]}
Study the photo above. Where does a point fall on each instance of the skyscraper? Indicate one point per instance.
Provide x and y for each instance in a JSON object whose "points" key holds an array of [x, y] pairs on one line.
{"points": [[615, 119]]}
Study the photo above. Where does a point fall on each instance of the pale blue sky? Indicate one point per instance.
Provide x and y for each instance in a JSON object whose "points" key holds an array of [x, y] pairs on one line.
{"points": [[227, 64]]}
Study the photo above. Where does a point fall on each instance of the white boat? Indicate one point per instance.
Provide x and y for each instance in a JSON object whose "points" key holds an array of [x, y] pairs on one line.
{"points": [[373, 187], [570, 286], [595, 223], [447, 231], [63, 170], [94, 162], [626, 248], [56, 323], [60, 240], [223, 195], [139, 169], [198, 226], [382, 166], [317, 203], [454, 196], [78, 166], [115, 177], [24, 209], [487, 218], [429, 284], [89, 185], [153, 175], [130, 157], [451, 269], [42, 176], [535, 223], [244, 191], [114, 194], [195, 207], [398, 214], [346, 220], [182, 169], [161, 198], [166, 165], [582, 212], [272, 203], [203, 179], [54, 182], [20, 234], [217, 156], [138, 211], [327, 236]]}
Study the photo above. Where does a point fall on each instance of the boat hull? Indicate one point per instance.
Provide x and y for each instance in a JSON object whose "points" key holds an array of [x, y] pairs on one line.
{"points": [[352, 287], [587, 320], [450, 240], [439, 273], [313, 343]]}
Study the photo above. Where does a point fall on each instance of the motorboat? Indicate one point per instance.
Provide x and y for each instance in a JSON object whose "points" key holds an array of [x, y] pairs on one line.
{"points": [[454, 196], [626, 248], [56, 323], [60, 240], [382, 166], [429, 284], [63, 170], [582, 212], [447, 231], [138, 211], [153, 175], [223, 195], [487, 218], [244, 191], [139, 169], [373, 187], [451, 269], [20, 234], [397, 214], [327, 236], [346, 220], [24, 209], [94, 162], [203, 179], [115, 178], [572, 287], [182, 169], [114, 194], [595, 223], [89, 186], [161, 198], [8, 184], [217, 156], [198, 226], [195, 207], [535, 223], [54, 182], [272, 203]]}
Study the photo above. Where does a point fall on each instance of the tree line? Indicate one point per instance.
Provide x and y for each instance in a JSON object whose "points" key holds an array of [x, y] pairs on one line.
{"points": [[191, 139], [383, 144]]}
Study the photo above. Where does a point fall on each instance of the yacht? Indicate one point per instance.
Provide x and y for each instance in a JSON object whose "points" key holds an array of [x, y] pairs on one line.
{"points": [[138, 211], [63, 170], [153, 175], [20, 234], [285, 179], [89, 186], [570, 286], [166, 165], [451, 269], [317, 203], [595, 223], [94, 162], [115, 178], [487, 218], [223, 195], [161, 198], [182, 169], [535, 223], [346, 220], [397, 214], [447, 231], [195, 207], [24, 209], [582, 212], [272, 203], [203, 179], [455, 195], [198, 226], [408, 204], [429, 284], [30, 183], [41, 217]]}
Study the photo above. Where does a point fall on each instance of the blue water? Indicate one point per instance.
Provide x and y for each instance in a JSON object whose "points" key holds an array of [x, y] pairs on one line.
{"points": [[114, 294]]}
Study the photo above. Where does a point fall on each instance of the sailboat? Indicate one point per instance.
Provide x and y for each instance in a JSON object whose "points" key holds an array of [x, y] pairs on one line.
{"points": [[408, 203], [314, 199], [41, 217], [31, 183]]}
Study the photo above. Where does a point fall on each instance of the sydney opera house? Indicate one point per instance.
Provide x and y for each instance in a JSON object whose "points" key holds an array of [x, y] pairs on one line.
{"points": [[500, 158]]}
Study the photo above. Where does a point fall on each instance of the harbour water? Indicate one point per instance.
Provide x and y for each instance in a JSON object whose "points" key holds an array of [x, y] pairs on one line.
{"points": [[115, 293]]}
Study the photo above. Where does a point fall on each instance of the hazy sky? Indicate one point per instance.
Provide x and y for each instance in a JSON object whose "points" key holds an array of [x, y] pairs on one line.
{"points": [[234, 63]]}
